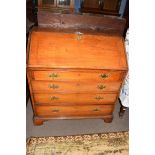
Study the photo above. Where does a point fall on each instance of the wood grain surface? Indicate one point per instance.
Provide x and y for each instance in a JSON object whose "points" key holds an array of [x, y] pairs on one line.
{"points": [[92, 110], [74, 87], [74, 76], [77, 75], [81, 22], [63, 50], [73, 99]]}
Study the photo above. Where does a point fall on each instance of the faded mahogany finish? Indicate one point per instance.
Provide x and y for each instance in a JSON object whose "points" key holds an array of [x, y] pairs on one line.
{"points": [[74, 76], [81, 22]]}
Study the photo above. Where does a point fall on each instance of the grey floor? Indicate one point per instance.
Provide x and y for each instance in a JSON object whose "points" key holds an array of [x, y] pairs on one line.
{"points": [[75, 127]]}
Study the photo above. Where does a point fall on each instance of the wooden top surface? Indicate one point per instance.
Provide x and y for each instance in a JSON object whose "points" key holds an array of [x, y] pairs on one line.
{"points": [[64, 50], [83, 21]]}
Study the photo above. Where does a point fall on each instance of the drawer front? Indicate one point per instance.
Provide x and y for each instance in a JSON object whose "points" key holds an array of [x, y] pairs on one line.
{"points": [[91, 110], [78, 75], [71, 99], [74, 87]]}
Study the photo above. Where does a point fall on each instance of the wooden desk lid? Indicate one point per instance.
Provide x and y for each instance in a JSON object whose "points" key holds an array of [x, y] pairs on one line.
{"points": [[70, 50]]}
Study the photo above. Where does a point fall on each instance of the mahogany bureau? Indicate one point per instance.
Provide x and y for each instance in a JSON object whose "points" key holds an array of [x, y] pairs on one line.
{"points": [[74, 75]]}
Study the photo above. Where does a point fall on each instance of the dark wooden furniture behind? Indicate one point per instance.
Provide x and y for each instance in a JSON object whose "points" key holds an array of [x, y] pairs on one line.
{"points": [[126, 16], [109, 7], [122, 109], [56, 5]]}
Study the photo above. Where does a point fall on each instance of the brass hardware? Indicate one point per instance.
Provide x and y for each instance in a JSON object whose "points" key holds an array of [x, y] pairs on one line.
{"points": [[53, 86], [96, 109], [103, 76], [53, 75], [79, 35], [99, 98], [55, 110], [101, 87], [54, 98]]}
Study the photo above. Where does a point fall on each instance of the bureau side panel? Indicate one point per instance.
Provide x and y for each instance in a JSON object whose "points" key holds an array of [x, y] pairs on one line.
{"points": [[29, 77]]}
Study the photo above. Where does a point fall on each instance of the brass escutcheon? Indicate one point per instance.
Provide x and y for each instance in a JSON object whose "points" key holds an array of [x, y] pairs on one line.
{"points": [[55, 110], [99, 98], [104, 76], [96, 109], [101, 87], [54, 98], [79, 35], [53, 86], [53, 75]]}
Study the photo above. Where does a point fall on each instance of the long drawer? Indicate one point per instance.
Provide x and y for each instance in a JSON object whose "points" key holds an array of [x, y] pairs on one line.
{"points": [[72, 99], [62, 111], [74, 87], [60, 75]]}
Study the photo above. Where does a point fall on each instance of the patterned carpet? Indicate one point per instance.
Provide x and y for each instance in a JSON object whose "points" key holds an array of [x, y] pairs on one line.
{"points": [[115, 143]]}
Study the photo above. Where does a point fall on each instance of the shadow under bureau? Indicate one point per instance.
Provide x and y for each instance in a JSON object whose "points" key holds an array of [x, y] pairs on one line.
{"points": [[74, 75]]}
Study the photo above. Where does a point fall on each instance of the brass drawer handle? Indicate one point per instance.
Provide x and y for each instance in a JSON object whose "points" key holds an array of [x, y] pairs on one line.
{"points": [[55, 110], [53, 75], [54, 98], [99, 98], [104, 76], [96, 110], [101, 87], [53, 86]]}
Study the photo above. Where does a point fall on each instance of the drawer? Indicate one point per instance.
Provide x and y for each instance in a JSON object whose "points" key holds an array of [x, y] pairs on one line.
{"points": [[74, 87], [56, 75], [90, 110], [72, 99]]}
